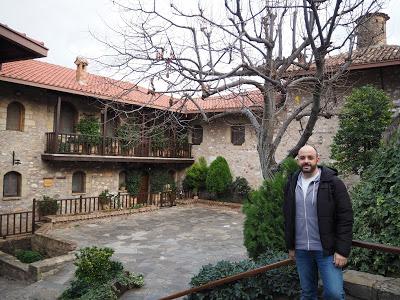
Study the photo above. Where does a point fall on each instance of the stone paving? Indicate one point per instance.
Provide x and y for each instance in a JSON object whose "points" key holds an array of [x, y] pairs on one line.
{"points": [[168, 246]]}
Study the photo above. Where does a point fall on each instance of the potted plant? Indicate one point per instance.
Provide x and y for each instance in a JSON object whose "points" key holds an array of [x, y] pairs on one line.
{"points": [[89, 129], [129, 136], [158, 140], [105, 199], [122, 187]]}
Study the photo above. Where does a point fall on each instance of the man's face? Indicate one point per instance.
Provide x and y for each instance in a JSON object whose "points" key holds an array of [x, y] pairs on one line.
{"points": [[307, 159]]}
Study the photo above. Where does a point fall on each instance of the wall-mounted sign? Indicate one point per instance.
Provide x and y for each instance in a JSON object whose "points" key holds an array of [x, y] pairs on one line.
{"points": [[48, 182]]}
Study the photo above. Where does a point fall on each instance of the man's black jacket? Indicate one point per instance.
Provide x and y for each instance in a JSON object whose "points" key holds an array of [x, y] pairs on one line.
{"points": [[335, 215]]}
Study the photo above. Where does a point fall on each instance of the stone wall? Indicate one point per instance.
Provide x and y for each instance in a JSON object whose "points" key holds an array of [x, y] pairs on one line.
{"points": [[40, 177]]}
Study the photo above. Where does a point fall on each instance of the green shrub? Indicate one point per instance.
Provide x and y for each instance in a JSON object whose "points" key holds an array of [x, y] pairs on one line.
{"points": [[129, 135], [105, 197], [376, 205], [97, 277], [47, 206], [133, 181], [366, 114], [28, 256], [159, 139], [89, 127], [219, 177], [160, 180], [196, 176], [282, 281], [263, 225], [240, 188]]}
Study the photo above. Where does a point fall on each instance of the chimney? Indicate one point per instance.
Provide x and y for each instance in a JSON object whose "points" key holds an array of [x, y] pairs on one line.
{"points": [[371, 30], [81, 73]]}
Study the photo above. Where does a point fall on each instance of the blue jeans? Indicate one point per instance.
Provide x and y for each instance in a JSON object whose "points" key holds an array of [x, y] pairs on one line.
{"points": [[308, 264]]}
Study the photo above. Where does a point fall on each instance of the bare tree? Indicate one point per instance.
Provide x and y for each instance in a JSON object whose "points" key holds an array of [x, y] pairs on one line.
{"points": [[234, 47]]}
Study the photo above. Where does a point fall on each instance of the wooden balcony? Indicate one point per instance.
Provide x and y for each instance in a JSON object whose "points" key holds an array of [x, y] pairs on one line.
{"points": [[77, 147]]}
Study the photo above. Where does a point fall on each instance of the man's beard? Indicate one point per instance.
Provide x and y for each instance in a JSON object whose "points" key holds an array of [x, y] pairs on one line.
{"points": [[310, 168]]}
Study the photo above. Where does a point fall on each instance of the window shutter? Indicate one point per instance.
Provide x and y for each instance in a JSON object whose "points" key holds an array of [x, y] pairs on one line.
{"points": [[237, 134], [78, 182], [12, 184], [197, 135], [14, 116]]}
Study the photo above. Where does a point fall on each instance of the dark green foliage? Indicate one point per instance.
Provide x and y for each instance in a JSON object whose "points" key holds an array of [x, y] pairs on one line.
{"points": [[129, 135], [133, 181], [282, 281], [159, 139], [219, 177], [47, 206], [89, 128], [94, 265], [28, 256], [263, 226], [105, 197], [97, 277], [365, 116], [161, 181], [376, 204], [240, 187], [196, 175]]}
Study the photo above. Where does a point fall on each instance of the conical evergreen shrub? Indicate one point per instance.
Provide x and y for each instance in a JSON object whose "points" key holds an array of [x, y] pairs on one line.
{"points": [[219, 177], [263, 226]]}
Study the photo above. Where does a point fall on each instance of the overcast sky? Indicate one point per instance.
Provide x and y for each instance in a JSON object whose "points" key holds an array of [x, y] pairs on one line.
{"points": [[64, 26]]}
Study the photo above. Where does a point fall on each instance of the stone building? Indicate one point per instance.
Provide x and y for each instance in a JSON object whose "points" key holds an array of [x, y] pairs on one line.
{"points": [[41, 152], [374, 62]]}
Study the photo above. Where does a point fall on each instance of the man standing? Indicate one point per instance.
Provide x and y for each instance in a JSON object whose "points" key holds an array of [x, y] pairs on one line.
{"points": [[318, 225]]}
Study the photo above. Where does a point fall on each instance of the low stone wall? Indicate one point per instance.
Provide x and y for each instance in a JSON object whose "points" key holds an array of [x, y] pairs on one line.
{"points": [[17, 242], [59, 221], [371, 287], [11, 267], [210, 203], [58, 251], [51, 246]]}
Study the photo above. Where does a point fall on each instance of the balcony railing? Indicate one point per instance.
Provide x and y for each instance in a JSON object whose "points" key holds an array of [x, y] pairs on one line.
{"points": [[71, 143]]}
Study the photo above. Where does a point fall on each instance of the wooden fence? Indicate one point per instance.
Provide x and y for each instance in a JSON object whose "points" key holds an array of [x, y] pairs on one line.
{"points": [[16, 223]]}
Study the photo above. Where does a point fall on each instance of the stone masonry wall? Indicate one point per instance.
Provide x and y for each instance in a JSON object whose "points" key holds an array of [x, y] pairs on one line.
{"points": [[29, 144]]}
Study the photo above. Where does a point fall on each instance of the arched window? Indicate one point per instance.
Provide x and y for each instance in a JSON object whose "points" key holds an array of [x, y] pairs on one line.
{"points": [[12, 184], [15, 116], [78, 182], [122, 180], [68, 118], [197, 135]]}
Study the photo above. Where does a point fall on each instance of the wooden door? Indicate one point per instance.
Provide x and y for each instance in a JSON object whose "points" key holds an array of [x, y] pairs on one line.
{"points": [[143, 195]]}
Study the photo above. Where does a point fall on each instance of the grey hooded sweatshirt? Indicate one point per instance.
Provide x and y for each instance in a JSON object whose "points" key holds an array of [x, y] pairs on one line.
{"points": [[307, 230]]}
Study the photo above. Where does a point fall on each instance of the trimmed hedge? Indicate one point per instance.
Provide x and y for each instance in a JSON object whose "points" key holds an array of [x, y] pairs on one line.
{"points": [[278, 282]]}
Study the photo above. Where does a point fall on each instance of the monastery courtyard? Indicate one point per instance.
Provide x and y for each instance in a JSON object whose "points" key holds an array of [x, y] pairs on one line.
{"points": [[167, 246]]}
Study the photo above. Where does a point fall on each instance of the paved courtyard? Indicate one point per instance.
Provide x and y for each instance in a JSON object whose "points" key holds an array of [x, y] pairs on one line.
{"points": [[168, 246]]}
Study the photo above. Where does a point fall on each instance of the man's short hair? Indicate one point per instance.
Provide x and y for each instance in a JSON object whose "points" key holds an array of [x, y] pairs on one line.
{"points": [[316, 151]]}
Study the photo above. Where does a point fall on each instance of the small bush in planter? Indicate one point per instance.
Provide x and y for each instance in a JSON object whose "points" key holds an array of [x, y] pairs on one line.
{"points": [[99, 277], [28, 256], [105, 197], [47, 206]]}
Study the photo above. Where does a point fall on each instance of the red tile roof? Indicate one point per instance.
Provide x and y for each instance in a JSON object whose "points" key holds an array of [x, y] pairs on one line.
{"points": [[54, 77]]}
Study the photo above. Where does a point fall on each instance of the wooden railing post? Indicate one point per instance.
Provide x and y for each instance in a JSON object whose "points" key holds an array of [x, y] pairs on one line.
{"points": [[33, 215], [80, 203]]}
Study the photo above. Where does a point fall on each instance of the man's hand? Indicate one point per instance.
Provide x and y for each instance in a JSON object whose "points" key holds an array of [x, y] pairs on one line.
{"points": [[292, 254], [339, 261]]}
